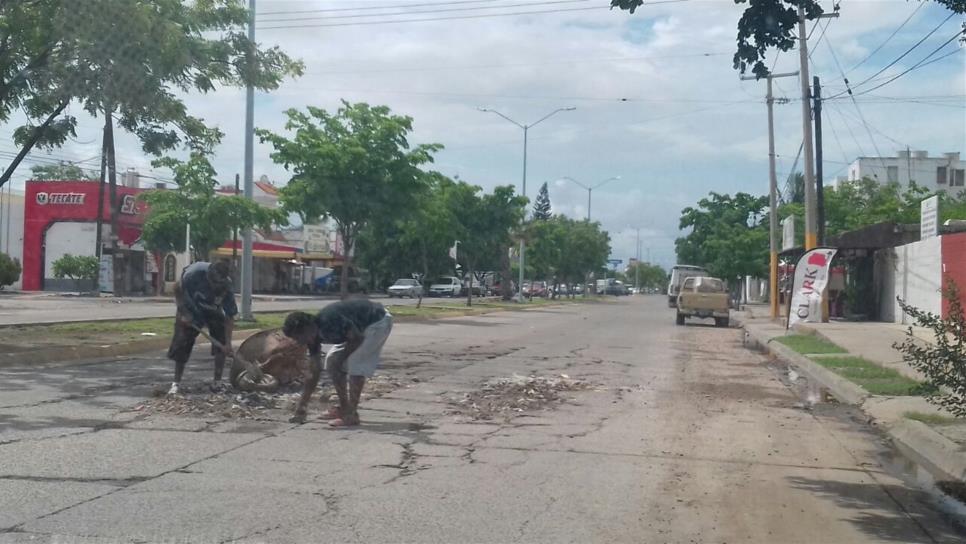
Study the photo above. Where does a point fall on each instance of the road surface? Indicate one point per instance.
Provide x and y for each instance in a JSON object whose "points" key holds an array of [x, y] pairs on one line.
{"points": [[684, 437]]}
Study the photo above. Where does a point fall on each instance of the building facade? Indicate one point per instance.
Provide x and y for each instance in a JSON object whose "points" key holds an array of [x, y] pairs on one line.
{"points": [[942, 173]]}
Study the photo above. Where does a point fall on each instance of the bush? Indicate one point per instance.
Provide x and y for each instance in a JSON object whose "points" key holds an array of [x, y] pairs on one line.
{"points": [[943, 363], [76, 267], [9, 270]]}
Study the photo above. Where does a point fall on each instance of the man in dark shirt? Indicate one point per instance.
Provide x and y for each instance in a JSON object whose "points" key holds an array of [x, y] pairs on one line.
{"points": [[358, 329], [205, 299]]}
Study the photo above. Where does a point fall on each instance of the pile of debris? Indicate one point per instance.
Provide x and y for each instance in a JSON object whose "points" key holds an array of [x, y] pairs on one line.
{"points": [[507, 397], [198, 400]]}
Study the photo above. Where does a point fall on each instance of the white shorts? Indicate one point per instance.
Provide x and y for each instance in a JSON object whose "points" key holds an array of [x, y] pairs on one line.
{"points": [[365, 359]]}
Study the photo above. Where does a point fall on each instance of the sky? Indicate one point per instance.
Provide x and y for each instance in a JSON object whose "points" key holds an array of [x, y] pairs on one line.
{"points": [[657, 100]]}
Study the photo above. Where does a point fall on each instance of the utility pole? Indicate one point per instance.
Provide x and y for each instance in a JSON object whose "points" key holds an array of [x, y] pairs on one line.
{"points": [[811, 219], [247, 269], [99, 229], [234, 237], [637, 267], [819, 183], [523, 189], [772, 194]]}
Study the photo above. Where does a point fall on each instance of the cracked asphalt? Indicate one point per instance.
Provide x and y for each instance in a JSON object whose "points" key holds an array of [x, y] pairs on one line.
{"points": [[685, 437]]}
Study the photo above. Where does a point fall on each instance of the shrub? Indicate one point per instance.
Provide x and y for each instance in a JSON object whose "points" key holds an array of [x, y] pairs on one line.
{"points": [[9, 270], [76, 267], [943, 363]]}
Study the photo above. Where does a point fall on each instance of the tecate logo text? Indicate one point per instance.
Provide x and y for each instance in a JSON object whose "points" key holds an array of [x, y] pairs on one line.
{"points": [[73, 199]]}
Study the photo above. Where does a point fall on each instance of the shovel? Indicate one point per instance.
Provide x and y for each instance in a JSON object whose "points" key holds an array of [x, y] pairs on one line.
{"points": [[259, 380]]}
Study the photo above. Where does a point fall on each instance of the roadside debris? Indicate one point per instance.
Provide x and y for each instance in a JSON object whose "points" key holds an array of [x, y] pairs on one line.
{"points": [[507, 397], [198, 400]]}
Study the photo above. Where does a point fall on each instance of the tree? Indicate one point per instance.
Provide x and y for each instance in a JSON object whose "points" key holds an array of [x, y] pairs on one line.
{"points": [[770, 23], [9, 270], [728, 235], [57, 52], [355, 166], [213, 218], [541, 208], [566, 251], [484, 223], [57, 172], [77, 268], [646, 274]]}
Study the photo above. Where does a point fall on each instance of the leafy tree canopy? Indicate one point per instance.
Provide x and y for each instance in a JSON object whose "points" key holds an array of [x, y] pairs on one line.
{"points": [[355, 165], [213, 218], [541, 208], [57, 172]]}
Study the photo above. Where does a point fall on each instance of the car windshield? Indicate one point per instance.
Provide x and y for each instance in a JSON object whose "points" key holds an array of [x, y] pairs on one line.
{"points": [[667, 271]]}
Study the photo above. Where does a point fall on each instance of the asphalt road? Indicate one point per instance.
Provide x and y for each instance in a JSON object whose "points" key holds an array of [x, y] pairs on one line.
{"points": [[56, 308], [684, 437]]}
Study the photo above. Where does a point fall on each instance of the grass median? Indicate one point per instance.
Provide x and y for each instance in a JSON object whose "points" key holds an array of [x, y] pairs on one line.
{"points": [[809, 344], [17, 339], [873, 378]]}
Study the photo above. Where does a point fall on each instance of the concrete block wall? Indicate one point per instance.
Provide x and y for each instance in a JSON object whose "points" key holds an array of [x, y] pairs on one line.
{"points": [[954, 265], [916, 277]]}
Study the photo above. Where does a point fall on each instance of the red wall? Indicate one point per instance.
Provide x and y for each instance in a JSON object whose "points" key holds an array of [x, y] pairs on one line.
{"points": [[74, 201], [954, 265]]}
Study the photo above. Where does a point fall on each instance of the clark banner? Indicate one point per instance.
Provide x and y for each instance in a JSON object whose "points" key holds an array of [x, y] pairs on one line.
{"points": [[811, 277]]}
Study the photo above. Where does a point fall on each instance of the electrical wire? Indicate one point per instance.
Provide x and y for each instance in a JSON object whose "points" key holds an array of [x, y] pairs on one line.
{"points": [[919, 64], [456, 17], [894, 32], [421, 12], [910, 50], [364, 8]]}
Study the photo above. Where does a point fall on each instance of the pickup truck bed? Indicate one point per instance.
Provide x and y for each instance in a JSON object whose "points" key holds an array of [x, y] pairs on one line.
{"points": [[703, 303]]}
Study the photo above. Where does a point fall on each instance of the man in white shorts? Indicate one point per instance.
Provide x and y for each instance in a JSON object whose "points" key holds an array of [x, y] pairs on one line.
{"points": [[358, 329]]}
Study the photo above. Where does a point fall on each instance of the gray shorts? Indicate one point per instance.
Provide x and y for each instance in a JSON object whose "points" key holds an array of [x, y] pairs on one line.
{"points": [[365, 359]]}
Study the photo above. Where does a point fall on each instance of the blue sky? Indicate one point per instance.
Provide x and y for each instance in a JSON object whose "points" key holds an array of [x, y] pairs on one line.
{"points": [[657, 100]]}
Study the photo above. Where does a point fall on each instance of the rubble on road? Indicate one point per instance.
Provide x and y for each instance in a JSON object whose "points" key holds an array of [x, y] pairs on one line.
{"points": [[508, 397], [198, 400]]}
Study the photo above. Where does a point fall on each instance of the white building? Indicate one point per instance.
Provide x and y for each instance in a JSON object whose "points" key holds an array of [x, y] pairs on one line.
{"points": [[935, 173]]}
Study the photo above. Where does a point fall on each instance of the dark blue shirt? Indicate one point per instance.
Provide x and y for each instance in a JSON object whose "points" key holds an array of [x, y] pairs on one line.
{"points": [[337, 319], [200, 299]]}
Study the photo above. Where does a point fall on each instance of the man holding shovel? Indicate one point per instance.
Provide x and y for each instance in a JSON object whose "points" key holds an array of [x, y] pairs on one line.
{"points": [[358, 329], [205, 299]]}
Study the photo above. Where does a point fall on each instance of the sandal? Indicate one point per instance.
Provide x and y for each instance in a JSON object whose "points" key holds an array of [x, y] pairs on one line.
{"points": [[334, 412], [342, 423]]}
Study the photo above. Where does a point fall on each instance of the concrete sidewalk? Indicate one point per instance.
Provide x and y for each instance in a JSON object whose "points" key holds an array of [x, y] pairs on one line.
{"points": [[940, 448]]}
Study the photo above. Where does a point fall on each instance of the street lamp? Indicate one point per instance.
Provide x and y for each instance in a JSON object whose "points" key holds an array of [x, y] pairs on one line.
{"points": [[526, 128], [590, 190]]}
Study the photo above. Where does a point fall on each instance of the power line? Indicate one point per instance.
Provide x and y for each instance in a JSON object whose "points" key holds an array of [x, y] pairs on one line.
{"points": [[518, 65], [420, 12], [919, 64], [456, 17], [894, 32], [363, 8], [910, 50]]}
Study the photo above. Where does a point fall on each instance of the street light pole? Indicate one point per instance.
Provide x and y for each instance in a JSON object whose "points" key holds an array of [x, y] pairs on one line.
{"points": [[523, 191], [590, 190], [247, 268]]}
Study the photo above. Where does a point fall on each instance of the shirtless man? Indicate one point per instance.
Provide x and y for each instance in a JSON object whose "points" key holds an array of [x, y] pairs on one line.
{"points": [[358, 329]]}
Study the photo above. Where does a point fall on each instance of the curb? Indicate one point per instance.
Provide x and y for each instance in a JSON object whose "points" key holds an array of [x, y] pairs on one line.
{"points": [[70, 354], [937, 454], [843, 390]]}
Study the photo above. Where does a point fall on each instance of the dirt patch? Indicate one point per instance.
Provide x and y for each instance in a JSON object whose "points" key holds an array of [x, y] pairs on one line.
{"points": [[197, 400], [507, 397]]}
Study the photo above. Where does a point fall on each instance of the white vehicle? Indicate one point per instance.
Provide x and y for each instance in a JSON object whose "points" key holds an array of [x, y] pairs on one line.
{"points": [[447, 286], [679, 273], [405, 287]]}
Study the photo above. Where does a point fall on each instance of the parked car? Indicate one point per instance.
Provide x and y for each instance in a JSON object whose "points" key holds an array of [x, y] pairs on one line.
{"points": [[536, 289], [405, 287], [447, 286], [703, 297]]}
